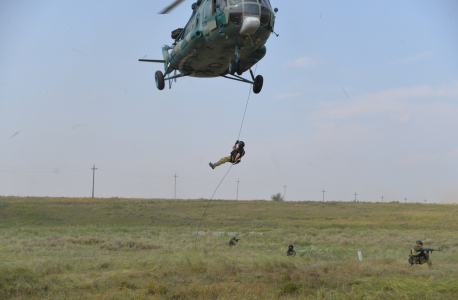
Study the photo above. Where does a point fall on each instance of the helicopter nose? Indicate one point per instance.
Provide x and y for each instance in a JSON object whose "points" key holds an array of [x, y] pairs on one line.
{"points": [[250, 25]]}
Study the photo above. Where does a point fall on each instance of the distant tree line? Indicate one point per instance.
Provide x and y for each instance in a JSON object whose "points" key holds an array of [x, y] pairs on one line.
{"points": [[277, 197]]}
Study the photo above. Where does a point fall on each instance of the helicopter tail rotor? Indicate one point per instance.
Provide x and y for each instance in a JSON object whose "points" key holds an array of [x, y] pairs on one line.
{"points": [[171, 7]]}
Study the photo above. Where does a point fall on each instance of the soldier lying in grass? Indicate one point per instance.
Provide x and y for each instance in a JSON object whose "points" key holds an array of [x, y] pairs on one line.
{"points": [[233, 241], [290, 251]]}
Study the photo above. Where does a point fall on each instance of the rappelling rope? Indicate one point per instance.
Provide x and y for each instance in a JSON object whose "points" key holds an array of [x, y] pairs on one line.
{"points": [[198, 229], [241, 126], [249, 94]]}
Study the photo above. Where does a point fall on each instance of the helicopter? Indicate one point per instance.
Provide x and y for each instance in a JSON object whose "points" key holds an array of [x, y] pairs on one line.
{"points": [[222, 38]]}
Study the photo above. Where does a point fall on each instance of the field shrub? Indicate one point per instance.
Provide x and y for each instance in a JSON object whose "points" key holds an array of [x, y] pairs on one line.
{"points": [[289, 288], [157, 288]]}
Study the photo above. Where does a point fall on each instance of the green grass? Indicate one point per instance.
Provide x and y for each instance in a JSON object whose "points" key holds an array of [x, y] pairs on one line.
{"points": [[66, 248]]}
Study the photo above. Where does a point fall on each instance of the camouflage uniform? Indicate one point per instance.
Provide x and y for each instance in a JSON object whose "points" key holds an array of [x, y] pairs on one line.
{"points": [[418, 258], [224, 160], [237, 152]]}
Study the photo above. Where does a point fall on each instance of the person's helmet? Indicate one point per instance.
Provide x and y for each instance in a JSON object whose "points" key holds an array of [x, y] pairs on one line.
{"points": [[291, 247], [419, 243], [241, 144]]}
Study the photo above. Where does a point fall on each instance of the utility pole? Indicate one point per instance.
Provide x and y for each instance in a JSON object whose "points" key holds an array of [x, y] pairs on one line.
{"points": [[405, 200], [425, 201], [238, 181], [382, 198], [323, 191], [355, 196], [284, 193], [93, 179], [175, 185]]}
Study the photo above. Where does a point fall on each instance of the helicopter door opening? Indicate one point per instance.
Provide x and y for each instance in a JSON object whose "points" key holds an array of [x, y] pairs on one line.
{"points": [[209, 17]]}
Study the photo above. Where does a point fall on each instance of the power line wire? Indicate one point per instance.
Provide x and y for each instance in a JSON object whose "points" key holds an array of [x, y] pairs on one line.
{"points": [[140, 173], [134, 175], [50, 171]]}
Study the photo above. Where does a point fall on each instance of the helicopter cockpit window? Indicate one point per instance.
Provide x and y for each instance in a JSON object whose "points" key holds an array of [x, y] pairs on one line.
{"points": [[265, 16], [234, 2], [222, 4], [235, 15], [265, 3], [208, 10], [251, 10]]}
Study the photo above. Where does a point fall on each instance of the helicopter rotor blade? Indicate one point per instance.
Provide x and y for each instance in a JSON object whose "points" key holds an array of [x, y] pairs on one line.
{"points": [[171, 6]]}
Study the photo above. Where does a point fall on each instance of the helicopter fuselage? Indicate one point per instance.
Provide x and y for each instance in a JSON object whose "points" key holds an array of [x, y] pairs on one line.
{"points": [[214, 36]]}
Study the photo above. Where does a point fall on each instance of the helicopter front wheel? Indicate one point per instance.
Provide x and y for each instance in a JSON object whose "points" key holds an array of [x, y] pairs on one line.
{"points": [[160, 84], [240, 68], [257, 85], [232, 67]]}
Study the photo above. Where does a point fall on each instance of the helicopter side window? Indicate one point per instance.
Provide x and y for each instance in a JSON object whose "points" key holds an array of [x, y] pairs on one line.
{"points": [[196, 26], [222, 4], [251, 10], [208, 10], [235, 15], [265, 16]]}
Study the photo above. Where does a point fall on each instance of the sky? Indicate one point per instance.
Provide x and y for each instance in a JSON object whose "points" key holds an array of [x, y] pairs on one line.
{"points": [[359, 97]]}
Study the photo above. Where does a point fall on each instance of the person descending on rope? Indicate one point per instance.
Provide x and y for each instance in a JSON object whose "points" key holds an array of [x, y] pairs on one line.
{"points": [[236, 155]]}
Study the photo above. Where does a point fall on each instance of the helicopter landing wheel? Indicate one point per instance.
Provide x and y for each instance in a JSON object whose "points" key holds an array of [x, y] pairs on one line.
{"points": [[257, 85], [240, 68], [232, 67], [160, 84]]}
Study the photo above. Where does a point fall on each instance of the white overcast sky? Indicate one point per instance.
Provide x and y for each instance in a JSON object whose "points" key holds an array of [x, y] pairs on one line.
{"points": [[359, 96]]}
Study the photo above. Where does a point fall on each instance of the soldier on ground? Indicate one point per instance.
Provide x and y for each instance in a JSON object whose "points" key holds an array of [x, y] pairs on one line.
{"points": [[236, 155], [418, 255], [233, 241], [290, 251]]}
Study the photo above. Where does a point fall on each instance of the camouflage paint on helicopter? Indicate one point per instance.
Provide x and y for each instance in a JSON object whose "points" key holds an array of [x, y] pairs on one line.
{"points": [[221, 38]]}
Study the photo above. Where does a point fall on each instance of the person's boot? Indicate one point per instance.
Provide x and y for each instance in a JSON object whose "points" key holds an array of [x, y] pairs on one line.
{"points": [[212, 165]]}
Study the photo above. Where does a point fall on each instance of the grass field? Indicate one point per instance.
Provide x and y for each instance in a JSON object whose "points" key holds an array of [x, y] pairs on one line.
{"points": [[66, 248]]}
